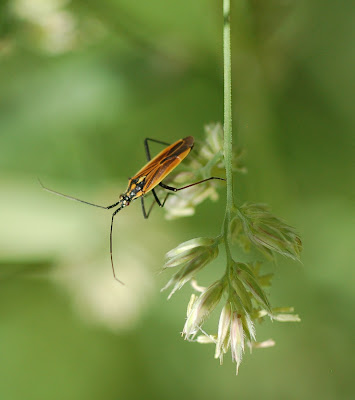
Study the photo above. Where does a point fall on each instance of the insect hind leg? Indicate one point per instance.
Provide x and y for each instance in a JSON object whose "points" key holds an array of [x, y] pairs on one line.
{"points": [[173, 189]]}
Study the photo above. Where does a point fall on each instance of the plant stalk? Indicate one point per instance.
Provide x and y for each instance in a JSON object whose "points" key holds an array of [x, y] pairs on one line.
{"points": [[227, 125]]}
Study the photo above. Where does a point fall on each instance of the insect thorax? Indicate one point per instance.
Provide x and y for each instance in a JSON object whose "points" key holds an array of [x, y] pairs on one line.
{"points": [[134, 190]]}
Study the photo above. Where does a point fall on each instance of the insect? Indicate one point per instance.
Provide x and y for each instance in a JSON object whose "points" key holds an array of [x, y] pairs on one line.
{"points": [[146, 179]]}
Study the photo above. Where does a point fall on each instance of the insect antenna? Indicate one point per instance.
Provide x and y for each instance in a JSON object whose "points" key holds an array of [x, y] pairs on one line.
{"points": [[76, 199], [113, 268]]}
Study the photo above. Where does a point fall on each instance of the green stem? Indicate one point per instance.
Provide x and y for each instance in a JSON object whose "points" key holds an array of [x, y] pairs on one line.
{"points": [[227, 62]]}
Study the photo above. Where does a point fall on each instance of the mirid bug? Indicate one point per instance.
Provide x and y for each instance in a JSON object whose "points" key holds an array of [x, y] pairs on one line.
{"points": [[146, 179]]}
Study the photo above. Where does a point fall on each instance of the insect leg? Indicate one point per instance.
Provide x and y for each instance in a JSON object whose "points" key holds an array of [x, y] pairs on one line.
{"points": [[146, 146], [156, 198], [167, 195], [113, 268], [75, 199], [146, 214], [187, 186]]}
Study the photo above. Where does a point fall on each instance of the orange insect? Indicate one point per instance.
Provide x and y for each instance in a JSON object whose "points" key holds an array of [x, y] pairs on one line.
{"points": [[146, 179]]}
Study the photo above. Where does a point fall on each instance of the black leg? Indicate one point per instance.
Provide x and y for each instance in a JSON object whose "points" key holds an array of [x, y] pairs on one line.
{"points": [[156, 198], [167, 195], [146, 214], [146, 146], [113, 268], [187, 186]]}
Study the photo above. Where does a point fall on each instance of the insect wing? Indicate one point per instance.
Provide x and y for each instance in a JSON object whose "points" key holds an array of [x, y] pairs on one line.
{"points": [[160, 172], [163, 163]]}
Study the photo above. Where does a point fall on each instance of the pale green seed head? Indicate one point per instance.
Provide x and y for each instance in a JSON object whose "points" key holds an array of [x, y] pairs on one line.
{"points": [[202, 308], [189, 245], [237, 339], [191, 257], [223, 338], [256, 223]]}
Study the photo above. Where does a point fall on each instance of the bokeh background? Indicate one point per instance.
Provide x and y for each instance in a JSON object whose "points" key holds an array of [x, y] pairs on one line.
{"points": [[82, 83]]}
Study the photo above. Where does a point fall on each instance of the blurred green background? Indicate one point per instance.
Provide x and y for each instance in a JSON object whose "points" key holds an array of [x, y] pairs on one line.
{"points": [[82, 83]]}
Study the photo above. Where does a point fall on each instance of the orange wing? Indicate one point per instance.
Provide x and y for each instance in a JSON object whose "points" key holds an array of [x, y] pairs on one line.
{"points": [[160, 166]]}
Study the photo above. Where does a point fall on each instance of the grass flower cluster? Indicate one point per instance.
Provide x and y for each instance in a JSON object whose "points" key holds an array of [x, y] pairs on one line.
{"points": [[241, 290], [242, 287], [254, 223]]}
